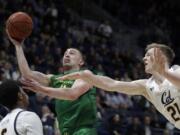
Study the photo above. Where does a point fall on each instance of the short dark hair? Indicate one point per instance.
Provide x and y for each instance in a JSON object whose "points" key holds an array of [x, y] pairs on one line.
{"points": [[9, 90], [166, 50], [82, 56]]}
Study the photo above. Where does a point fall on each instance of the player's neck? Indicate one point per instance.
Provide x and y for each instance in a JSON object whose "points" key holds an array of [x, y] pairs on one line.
{"points": [[20, 105], [158, 78], [68, 68]]}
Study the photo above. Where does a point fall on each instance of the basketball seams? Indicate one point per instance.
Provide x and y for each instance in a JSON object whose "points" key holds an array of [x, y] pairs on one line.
{"points": [[22, 20], [27, 29], [19, 25]]}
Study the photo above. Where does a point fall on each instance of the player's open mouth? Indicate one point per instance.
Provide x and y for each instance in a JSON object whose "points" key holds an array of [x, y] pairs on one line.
{"points": [[66, 60]]}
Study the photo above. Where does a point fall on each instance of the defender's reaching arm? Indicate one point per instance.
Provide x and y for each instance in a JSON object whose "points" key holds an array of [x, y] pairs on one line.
{"points": [[108, 84]]}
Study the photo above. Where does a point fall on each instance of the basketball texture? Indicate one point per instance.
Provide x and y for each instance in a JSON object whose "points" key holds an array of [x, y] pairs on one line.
{"points": [[19, 25]]}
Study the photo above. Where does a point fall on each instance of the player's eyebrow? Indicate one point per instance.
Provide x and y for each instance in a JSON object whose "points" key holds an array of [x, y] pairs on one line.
{"points": [[73, 51], [147, 53]]}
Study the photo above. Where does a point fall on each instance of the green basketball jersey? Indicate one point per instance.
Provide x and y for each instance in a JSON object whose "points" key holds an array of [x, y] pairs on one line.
{"points": [[76, 114]]}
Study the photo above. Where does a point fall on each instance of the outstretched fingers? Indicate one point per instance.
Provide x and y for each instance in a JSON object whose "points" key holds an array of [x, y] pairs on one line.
{"points": [[30, 84], [26, 82], [159, 59], [13, 40]]}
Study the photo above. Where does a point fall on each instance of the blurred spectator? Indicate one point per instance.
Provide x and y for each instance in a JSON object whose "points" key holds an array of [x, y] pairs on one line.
{"points": [[7, 70], [166, 132], [135, 128], [47, 120], [105, 29], [115, 125], [147, 125]]}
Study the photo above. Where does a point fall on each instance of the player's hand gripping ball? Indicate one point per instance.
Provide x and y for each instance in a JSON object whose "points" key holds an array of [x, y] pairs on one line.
{"points": [[19, 26]]}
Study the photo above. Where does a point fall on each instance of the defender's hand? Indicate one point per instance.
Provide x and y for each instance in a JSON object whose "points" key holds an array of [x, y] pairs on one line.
{"points": [[32, 85], [158, 61]]}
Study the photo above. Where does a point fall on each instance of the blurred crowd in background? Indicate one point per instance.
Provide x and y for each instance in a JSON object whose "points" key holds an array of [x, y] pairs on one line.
{"points": [[112, 45]]}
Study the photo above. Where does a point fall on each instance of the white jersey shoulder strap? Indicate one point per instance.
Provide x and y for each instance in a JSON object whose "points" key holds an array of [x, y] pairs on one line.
{"points": [[15, 121]]}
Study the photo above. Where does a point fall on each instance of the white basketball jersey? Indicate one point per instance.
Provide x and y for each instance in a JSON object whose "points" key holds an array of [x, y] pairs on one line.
{"points": [[24, 122], [166, 98]]}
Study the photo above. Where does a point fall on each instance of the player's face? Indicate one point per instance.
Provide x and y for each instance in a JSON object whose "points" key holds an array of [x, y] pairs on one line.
{"points": [[25, 98], [72, 58], [147, 60]]}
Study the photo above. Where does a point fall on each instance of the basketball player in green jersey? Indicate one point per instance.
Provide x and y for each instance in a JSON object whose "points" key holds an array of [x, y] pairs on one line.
{"points": [[75, 102]]}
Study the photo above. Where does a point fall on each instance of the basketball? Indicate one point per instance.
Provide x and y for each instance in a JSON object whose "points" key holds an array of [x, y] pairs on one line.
{"points": [[19, 26]]}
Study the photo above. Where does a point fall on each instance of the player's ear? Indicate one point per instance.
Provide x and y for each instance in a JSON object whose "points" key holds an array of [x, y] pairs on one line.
{"points": [[81, 63], [20, 96]]}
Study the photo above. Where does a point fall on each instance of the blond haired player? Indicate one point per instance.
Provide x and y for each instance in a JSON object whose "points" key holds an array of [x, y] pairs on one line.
{"points": [[162, 89]]}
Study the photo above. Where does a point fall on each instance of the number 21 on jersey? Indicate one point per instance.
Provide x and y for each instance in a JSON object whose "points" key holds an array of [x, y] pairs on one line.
{"points": [[3, 131]]}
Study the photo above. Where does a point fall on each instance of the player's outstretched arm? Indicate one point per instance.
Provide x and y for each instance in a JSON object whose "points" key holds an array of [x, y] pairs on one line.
{"points": [[23, 64], [109, 84], [79, 88]]}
